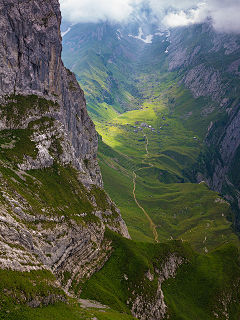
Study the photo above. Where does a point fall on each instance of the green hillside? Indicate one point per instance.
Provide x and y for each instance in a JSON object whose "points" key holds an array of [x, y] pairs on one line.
{"points": [[196, 289], [178, 208], [168, 160]]}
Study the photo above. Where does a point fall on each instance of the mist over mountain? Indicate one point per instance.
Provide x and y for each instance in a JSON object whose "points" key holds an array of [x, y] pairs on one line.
{"points": [[165, 102], [224, 14]]}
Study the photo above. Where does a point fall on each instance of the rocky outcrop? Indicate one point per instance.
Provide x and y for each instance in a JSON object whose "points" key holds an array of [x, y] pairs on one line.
{"points": [[203, 81], [227, 143], [156, 308], [45, 126], [201, 73], [35, 235], [209, 68], [30, 63]]}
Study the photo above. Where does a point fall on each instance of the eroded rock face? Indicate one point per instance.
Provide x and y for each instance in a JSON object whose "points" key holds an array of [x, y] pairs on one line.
{"points": [[209, 63], [35, 235], [201, 77], [41, 99], [144, 307], [30, 63]]}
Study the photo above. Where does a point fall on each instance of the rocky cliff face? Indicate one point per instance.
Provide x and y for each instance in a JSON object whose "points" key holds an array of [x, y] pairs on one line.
{"points": [[207, 58], [53, 210], [209, 63], [156, 308], [30, 63]]}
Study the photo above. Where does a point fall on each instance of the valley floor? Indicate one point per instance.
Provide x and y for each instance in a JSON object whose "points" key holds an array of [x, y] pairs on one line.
{"points": [[143, 172]]}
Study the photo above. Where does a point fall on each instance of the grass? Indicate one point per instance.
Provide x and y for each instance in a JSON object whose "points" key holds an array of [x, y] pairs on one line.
{"points": [[61, 311], [19, 288], [17, 108], [178, 208], [197, 289]]}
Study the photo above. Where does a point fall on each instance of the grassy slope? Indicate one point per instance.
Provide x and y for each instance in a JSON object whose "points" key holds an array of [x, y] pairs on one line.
{"points": [[60, 311], [179, 210], [195, 292]]}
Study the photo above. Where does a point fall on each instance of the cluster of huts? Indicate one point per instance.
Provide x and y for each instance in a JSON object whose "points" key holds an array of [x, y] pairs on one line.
{"points": [[139, 127]]}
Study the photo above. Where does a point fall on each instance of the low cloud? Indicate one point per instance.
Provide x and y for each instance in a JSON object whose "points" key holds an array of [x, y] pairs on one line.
{"points": [[173, 13], [184, 18], [226, 15], [95, 10]]}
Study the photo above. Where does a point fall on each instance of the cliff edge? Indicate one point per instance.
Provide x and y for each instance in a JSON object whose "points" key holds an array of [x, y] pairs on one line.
{"points": [[53, 210], [30, 64]]}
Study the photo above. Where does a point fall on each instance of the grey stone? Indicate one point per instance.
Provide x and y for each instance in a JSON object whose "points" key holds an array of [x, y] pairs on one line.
{"points": [[30, 63]]}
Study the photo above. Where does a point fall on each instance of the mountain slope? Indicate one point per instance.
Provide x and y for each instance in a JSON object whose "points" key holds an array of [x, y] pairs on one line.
{"points": [[168, 281], [192, 72], [59, 230], [210, 69], [53, 209]]}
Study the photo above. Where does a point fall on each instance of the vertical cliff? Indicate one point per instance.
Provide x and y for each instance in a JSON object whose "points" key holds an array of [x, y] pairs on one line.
{"points": [[209, 66], [30, 64], [53, 210]]}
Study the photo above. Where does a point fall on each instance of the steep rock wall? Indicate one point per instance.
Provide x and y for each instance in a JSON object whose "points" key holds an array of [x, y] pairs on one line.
{"points": [[30, 63], [209, 66], [52, 216]]}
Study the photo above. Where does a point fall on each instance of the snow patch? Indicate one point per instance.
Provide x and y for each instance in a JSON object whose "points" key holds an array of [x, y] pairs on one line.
{"points": [[148, 39], [63, 33], [159, 34]]}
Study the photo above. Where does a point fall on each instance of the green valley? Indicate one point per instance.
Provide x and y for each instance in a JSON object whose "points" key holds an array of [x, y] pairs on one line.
{"points": [[160, 108], [160, 142], [177, 124], [178, 208], [133, 210]]}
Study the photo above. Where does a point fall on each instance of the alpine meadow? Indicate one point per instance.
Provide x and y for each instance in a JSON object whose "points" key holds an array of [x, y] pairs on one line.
{"points": [[119, 160]]}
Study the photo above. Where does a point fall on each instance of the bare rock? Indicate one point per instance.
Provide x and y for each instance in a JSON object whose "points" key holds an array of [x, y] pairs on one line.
{"points": [[30, 63]]}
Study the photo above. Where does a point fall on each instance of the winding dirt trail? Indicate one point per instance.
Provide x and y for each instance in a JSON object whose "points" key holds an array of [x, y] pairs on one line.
{"points": [[152, 225]]}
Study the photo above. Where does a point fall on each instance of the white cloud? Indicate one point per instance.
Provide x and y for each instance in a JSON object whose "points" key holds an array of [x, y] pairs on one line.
{"points": [[95, 10], [184, 18], [224, 13]]}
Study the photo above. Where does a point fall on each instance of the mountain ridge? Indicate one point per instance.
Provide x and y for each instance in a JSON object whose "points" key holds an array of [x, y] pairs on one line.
{"points": [[197, 57]]}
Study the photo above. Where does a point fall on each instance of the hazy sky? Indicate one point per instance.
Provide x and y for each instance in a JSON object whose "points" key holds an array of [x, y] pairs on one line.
{"points": [[225, 14]]}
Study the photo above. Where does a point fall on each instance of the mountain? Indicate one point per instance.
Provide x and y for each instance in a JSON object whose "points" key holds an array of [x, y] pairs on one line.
{"points": [[183, 84], [53, 209], [193, 71], [62, 238], [210, 69]]}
